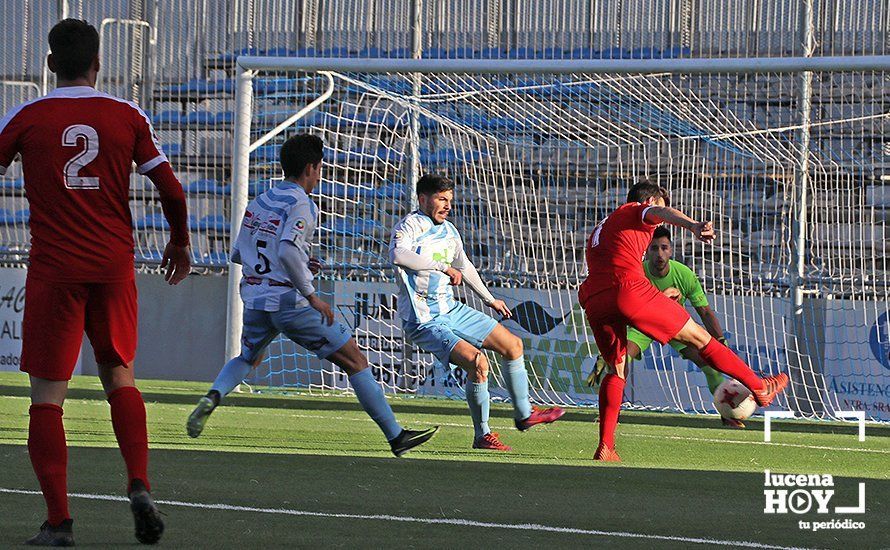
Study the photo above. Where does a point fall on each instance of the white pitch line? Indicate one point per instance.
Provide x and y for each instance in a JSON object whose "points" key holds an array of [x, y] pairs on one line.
{"points": [[429, 521], [741, 442]]}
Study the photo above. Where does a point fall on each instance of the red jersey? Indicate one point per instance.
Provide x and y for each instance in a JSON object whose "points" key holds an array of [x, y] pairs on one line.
{"points": [[615, 249], [78, 146]]}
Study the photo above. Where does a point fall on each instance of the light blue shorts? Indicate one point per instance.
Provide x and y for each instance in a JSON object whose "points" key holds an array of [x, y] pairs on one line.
{"points": [[305, 326], [440, 334]]}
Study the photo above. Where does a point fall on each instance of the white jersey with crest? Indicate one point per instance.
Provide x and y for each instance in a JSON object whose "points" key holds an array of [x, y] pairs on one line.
{"points": [[283, 213], [426, 294]]}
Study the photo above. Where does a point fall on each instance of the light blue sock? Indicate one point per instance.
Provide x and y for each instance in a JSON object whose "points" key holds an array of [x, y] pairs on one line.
{"points": [[369, 394], [478, 400], [231, 375], [516, 380]]}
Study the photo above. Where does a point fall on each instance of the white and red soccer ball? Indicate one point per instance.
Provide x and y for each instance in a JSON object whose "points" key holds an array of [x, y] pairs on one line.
{"points": [[733, 400]]}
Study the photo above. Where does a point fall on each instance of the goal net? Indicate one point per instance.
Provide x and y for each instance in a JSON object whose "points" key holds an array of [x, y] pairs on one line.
{"points": [[791, 168]]}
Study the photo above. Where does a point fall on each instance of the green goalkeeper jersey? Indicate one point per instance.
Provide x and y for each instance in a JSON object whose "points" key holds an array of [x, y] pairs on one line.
{"points": [[683, 279]]}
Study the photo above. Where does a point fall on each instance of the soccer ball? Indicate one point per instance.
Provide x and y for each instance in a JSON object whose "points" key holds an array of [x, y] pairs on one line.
{"points": [[733, 400]]}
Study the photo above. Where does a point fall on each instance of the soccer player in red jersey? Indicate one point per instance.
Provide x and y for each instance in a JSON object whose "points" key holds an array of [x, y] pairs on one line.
{"points": [[617, 293], [77, 148]]}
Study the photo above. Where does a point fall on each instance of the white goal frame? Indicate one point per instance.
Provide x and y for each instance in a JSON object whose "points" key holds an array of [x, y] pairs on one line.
{"points": [[248, 66]]}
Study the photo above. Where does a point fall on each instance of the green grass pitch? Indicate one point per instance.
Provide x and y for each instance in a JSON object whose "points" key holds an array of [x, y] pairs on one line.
{"points": [[295, 464]]}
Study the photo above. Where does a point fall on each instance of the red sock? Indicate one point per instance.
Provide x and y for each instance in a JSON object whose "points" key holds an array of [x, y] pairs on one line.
{"points": [[128, 419], [723, 359], [49, 457], [611, 394]]}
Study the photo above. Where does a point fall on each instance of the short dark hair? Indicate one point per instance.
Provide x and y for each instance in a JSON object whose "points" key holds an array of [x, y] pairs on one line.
{"points": [[643, 190], [74, 45], [662, 231], [431, 183], [298, 152]]}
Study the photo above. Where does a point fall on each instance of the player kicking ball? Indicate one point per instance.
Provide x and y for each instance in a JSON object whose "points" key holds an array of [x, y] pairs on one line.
{"points": [[678, 282], [279, 298], [429, 258], [617, 294]]}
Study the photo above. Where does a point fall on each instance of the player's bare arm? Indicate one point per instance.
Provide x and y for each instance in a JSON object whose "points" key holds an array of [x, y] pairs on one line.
{"points": [[710, 321], [703, 231]]}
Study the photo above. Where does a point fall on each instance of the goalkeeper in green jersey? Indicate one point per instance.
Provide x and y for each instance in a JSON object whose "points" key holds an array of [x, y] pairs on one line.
{"points": [[679, 282]]}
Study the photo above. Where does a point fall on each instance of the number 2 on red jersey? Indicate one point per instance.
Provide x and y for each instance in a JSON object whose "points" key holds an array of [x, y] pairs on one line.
{"points": [[85, 137]]}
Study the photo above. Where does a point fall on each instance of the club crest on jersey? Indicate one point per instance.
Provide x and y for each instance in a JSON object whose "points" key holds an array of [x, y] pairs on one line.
{"points": [[300, 225]]}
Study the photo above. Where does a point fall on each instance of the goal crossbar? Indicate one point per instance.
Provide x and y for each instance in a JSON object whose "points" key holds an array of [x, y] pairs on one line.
{"points": [[567, 66]]}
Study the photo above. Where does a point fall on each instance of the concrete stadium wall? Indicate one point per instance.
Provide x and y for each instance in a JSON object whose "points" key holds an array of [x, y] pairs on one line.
{"points": [[182, 329]]}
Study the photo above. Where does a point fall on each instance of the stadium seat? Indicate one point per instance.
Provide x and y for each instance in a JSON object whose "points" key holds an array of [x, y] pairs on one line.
{"points": [[206, 187], [152, 221], [645, 53], [265, 153], [267, 86], [168, 117], [390, 190], [675, 52], [224, 117], [23, 216], [12, 185], [371, 52], [212, 259], [200, 117], [214, 223], [338, 51], [7, 217], [355, 227], [614, 53], [585, 53], [256, 187], [200, 86], [172, 149], [400, 53]]}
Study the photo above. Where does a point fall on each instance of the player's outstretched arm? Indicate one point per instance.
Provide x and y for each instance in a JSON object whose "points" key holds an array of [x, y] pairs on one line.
{"points": [[703, 231], [477, 285], [176, 259]]}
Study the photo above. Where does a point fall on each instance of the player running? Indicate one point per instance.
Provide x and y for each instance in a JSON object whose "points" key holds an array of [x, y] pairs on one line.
{"points": [[617, 293], [77, 147], [429, 258], [273, 250], [678, 282]]}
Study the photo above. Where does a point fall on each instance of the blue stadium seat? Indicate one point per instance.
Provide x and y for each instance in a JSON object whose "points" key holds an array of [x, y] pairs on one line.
{"points": [[585, 53], [614, 53], [390, 190], [265, 153], [171, 149], [645, 53], [168, 117], [435, 53], [371, 52], [152, 221], [23, 216], [400, 53], [225, 117], [12, 185], [200, 86], [7, 217], [205, 187], [676, 51], [200, 117], [556, 53], [213, 259], [354, 227], [524, 53], [214, 223], [338, 51], [266, 86], [256, 187]]}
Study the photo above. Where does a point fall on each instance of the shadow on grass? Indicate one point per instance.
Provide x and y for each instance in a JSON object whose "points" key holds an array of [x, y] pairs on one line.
{"points": [[600, 497], [450, 408]]}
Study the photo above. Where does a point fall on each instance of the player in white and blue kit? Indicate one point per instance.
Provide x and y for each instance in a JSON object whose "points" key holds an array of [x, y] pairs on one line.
{"points": [[279, 297], [429, 258]]}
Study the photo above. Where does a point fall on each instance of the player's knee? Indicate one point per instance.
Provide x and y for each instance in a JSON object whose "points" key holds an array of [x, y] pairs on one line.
{"points": [[514, 349], [693, 334], [481, 370]]}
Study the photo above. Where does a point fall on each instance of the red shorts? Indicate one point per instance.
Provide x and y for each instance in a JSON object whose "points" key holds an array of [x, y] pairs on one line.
{"points": [[56, 316], [634, 302]]}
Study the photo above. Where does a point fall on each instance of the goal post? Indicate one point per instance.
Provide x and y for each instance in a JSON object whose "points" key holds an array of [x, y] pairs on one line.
{"points": [[541, 150]]}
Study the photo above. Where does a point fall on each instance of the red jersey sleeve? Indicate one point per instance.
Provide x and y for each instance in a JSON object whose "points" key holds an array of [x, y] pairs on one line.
{"points": [[10, 128], [147, 153], [635, 216]]}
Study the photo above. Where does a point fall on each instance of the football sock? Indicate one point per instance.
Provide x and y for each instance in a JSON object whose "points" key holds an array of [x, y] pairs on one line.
{"points": [[714, 378], [724, 360], [231, 375], [611, 394], [49, 457], [128, 420], [214, 396], [370, 395], [478, 401], [516, 380]]}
